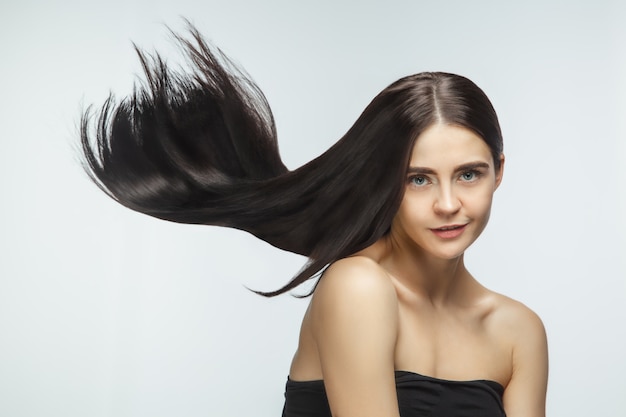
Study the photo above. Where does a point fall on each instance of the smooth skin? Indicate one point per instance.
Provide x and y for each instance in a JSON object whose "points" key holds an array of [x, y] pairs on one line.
{"points": [[408, 303]]}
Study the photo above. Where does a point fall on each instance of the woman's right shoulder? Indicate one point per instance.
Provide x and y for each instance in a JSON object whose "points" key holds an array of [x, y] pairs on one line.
{"points": [[354, 326], [355, 274], [358, 282]]}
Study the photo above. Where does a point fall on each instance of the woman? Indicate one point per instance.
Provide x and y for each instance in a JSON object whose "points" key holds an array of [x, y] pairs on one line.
{"points": [[396, 325]]}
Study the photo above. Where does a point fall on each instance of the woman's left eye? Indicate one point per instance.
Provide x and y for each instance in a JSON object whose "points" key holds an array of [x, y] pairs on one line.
{"points": [[469, 176]]}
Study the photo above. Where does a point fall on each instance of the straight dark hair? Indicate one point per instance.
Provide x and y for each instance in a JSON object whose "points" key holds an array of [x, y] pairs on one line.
{"points": [[201, 148]]}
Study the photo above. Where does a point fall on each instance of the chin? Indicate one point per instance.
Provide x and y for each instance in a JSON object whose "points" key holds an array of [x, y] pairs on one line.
{"points": [[449, 253], [452, 249], [449, 256]]}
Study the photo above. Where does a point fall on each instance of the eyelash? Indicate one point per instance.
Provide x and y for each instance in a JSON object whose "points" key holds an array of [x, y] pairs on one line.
{"points": [[475, 176], [412, 179]]}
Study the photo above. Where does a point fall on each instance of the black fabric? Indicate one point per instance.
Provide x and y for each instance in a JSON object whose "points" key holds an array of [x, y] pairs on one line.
{"points": [[418, 396]]}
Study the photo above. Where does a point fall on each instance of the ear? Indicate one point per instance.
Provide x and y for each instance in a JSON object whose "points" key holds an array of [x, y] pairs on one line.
{"points": [[500, 171]]}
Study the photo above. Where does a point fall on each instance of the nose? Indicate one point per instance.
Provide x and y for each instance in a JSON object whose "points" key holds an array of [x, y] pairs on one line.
{"points": [[446, 201]]}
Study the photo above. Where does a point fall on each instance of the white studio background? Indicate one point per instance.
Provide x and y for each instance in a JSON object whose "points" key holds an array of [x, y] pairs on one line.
{"points": [[105, 312]]}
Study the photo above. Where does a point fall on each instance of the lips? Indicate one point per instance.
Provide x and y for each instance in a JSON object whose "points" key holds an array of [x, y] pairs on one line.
{"points": [[449, 231]]}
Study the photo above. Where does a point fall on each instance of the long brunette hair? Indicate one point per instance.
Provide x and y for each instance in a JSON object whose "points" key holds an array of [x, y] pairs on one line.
{"points": [[201, 148]]}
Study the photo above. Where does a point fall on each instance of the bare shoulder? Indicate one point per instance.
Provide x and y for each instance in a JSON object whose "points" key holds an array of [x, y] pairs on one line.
{"points": [[352, 291], [515, 320], [521, 330], [355, 281], [354, 325]]}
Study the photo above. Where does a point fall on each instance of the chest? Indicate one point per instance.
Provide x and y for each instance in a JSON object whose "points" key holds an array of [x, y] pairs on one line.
{"points": [[456, 345]]}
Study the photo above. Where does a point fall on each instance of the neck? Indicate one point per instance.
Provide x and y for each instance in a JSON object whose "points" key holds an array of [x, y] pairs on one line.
{"points": [[440, 281]]}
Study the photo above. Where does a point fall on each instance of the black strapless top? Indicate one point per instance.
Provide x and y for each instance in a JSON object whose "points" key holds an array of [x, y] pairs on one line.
{"points": [[418, 396]]}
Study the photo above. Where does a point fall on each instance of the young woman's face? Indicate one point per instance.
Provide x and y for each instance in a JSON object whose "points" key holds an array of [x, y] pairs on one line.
{"points": [[449, 189]]}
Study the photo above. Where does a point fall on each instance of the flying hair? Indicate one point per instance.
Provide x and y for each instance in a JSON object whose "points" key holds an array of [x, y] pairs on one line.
{"points": [[200, 147]]}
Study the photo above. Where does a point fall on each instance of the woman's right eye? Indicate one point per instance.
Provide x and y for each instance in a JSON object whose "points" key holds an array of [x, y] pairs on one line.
{"points": [[418, 180]]}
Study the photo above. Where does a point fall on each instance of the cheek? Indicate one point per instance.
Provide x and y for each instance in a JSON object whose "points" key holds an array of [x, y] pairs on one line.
{"points": [[479, 205], [412, 212]]}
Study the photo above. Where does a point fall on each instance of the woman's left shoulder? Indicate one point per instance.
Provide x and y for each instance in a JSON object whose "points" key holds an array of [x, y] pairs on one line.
{"points": [[516, 325], [512, 316], [519, 330]]}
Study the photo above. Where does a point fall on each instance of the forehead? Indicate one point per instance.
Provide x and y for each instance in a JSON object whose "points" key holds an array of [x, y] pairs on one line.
{"points": [[441, 145]]}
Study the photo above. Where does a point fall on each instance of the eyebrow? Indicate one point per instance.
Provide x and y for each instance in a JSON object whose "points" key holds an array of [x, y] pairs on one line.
{"points": [[463, 167]]}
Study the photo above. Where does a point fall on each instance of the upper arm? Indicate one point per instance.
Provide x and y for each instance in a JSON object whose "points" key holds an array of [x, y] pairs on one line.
{"points": [[525, 395], [354, 321]]}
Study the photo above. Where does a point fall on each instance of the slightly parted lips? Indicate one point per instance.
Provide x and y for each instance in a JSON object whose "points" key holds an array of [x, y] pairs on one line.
{"points": [[451, 231], [450, 227]]}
